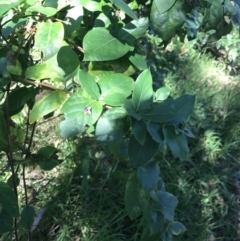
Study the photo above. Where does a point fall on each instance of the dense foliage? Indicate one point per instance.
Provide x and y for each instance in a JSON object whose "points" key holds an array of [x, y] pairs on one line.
{"points": [[88, 61]]}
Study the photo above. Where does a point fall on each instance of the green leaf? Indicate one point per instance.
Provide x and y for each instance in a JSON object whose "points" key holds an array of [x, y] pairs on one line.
{"points": [[3, 67], [184, 106], [47, 152], [157, 225], [6, 5], [178, 109], [159, 112], [176, 228], [176, 142], [120, 149], [67, 60], [48, 165], [163, 6], [125, 8], [148, 175], [15, 69], [166, 23], [139, 154], [48, 11], [48, 103], [155, 130], [8, 200], [11, 182], [38, 72], [102, 21], [166, 236], [27, 217], [166, 203], [107, 47], [134, 30], [80, 111], [92, 5], [213, 16], [74, 18], [115, 88], [71, 127], [139, 61], [89, 84], [131, 110], [49, 37], [162, 93], [142, 95], [3, 133], [112, 126], [139, 130], [136, 199], [19, 97], [6, 221], [61, 67]]}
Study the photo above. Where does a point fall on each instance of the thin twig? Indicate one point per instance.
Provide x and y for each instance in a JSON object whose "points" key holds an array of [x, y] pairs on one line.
{"points": [[75, 46], [31, 82]]}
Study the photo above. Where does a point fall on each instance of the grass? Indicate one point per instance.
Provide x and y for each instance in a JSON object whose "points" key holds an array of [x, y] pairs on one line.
{"points": [[84, 196]]}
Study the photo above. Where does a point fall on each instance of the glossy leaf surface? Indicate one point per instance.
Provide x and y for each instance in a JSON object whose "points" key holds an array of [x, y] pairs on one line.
{"points": [[27, 217], [136, 198], [112, 126], [80, 112], [8, 199], [148, 176], [139, 154], [166, 203], [49, 37], [48, 103], [115, 88], [107, 47], [143, 92], [125, 8], [89, 84], [176, 142]]}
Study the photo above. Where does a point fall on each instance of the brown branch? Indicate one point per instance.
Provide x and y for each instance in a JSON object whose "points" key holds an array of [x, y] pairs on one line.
{"points": [[75, 46], [31, 82]]}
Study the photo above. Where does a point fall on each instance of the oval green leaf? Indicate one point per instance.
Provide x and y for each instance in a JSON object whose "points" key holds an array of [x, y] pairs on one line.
{"points": [[80, 111], [139, 130], [163, 5], [115, 88], [162, 93], [134, 30], [9, 200], [49, 37], [48, 11], [107, 47], [136, 199], [139, 154], [143, 92], [176, 142], [6, 222], [166, 203], [48, 103], [27, 217], [176, 228], [112, 126], [89, 84], [148, 176]]}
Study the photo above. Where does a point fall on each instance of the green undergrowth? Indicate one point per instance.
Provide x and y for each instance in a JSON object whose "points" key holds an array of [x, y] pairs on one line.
{"points": [[207, 185]]}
